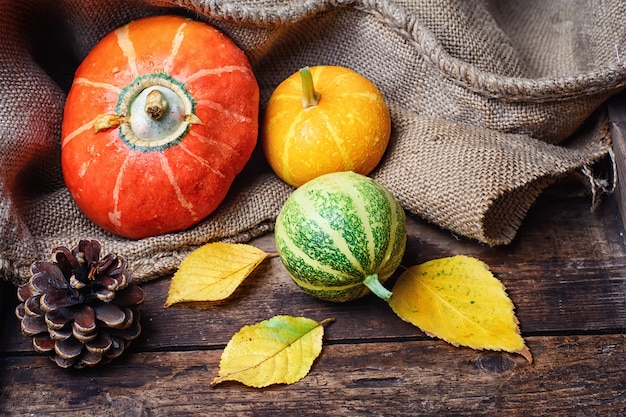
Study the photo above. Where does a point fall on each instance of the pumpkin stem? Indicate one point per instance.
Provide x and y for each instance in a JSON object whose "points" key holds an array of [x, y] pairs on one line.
{"points": [[192, 119], [107, 121], [374, 285], [310, 97], [156, 105]]}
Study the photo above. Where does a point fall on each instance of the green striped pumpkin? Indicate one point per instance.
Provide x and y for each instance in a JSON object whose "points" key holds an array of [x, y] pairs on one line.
{"points": [[341, 235]]}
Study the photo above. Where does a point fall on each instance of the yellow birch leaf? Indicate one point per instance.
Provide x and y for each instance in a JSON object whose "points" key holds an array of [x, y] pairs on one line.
{"points": [[458, 299], [213, 272], [280, 350]]}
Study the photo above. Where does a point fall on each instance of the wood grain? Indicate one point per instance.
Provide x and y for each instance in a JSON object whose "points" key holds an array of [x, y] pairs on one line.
{"points": [[572, 376]]}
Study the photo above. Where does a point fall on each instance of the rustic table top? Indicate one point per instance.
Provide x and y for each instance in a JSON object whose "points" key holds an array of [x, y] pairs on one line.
{"points": [[565, 273]]}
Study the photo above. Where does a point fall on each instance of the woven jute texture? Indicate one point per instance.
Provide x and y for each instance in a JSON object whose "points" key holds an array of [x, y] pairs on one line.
{"points": [[491, 102]]}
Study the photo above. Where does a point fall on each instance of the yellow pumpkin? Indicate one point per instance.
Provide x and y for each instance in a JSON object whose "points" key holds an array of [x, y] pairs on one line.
{"points": [[324, 119]]}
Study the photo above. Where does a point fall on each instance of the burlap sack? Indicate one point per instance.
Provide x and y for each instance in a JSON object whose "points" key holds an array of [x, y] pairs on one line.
{"points": [[487, 97]]}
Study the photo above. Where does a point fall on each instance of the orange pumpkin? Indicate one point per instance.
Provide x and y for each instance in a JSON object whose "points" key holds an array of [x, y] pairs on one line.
{"points": [[161, 117], [324, 119]]}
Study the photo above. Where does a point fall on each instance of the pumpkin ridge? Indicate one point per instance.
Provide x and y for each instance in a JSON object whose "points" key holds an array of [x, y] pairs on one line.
{"points": [[78, 131], [357, 197], [397, 239], [176, 43], [291, 142], [128, 49], [95, 84], [338, 240], [346, 161], [205, 72], [86, 165], [312, 263], [207, 140], [350, 85], [115, 216], [218, 107], [393, 232], [167, 170], [369, 96], [201, 160]]}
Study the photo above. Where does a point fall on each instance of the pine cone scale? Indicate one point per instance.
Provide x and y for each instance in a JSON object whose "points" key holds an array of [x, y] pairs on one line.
{"points": [[65, 260], [24, 292], [20, 311], [110, 314], [69, 348], [47, 276], [90, 359], [59, 318], [85, 320], [59, 298], [100, 344], [60, 334], [129, 333], [43, 344], [32, 307], [129, 296], [32, 326]]}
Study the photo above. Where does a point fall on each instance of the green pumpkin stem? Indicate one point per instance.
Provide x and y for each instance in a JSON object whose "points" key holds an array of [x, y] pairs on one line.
{"points": [[372, 282], [310, 97]]}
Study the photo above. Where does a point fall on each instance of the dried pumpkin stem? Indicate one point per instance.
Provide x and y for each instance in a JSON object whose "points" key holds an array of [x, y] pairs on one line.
{"points": [[310, 97], [156, 105], [107, 121]]}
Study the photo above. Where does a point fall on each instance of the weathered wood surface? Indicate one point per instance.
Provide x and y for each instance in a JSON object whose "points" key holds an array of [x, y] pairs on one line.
{"points": [[572, 376], [566, 274]]}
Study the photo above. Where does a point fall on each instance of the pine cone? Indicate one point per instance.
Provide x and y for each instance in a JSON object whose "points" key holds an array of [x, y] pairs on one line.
{"points": [[81, 309]]}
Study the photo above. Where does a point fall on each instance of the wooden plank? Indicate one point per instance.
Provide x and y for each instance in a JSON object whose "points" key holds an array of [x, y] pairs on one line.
{"points": [[556, 297], [566, 274], [571, 376]]}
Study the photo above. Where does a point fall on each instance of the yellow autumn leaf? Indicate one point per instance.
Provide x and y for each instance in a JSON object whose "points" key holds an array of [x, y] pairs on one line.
{"points": [[458, 299], [213, 272], [280, 350]]}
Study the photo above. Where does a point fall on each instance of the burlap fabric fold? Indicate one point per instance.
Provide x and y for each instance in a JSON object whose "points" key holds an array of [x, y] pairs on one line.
{"points": [[491, 100]]}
